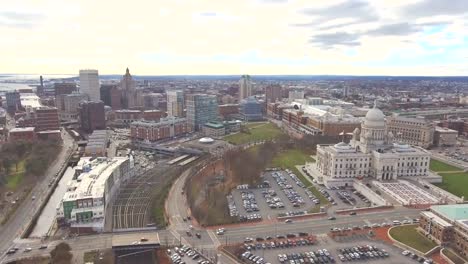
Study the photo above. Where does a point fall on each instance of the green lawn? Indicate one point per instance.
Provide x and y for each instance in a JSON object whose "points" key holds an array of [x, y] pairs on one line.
{"points": [[409, 236], [453, 257], [437, 166], [455, 183], [16, 177], [258, 131]]}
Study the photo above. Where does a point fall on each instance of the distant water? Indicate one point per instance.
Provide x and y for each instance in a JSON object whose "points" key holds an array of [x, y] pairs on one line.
{"points": [[9, 82]]}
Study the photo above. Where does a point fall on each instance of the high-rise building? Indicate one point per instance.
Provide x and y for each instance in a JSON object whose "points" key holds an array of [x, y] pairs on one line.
{"points": [[131, 97], [13, 101], [245, 87], [105, 93], [251, 109], [273, 93], [71, 103], [201, 108], [175, 103], [92, 116], [89, 84], [47, 119], [64, 88]]}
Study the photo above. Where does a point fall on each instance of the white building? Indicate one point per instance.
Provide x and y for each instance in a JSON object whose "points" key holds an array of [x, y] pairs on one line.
{"points": [[94, 186], [175, 103], [371, 153], [245, 87], [89, 84]]}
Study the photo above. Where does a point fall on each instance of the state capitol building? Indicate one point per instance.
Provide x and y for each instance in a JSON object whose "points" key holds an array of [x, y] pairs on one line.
{"points": [[372, 152]]}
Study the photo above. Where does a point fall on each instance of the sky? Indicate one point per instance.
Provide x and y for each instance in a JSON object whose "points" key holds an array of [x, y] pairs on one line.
{"points": [[170, 37]]}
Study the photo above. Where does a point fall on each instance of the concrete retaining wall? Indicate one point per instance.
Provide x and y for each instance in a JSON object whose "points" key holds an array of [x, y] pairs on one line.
{"points": [[371, 195], [441, 193]]}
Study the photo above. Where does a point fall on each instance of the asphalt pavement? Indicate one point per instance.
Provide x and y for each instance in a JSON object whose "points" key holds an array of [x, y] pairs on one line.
{"points": [[20, 218]]}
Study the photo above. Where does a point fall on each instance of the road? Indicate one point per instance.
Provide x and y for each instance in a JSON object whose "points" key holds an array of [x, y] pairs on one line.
{"points": [[176, 208], [18, 221]]}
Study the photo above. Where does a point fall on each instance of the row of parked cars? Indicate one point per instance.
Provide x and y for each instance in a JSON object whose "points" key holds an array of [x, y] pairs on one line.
{"points": [[283, 243], [177, 255], [293, 196], [327, 195], [272, 199], [232, 206], [346, 197], [312, 197], [318, 256], [362, 253], [249, 202], [416, 257], [295, 178], [249, 257]]}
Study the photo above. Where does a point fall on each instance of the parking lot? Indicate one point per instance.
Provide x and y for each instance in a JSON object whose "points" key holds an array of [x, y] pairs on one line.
{"points": [[281, 192], [345, 197], [324, 250], [187, 255]]}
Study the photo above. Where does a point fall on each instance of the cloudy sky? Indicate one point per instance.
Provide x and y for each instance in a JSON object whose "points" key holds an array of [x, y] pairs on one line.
{"points": [[159, 37]]}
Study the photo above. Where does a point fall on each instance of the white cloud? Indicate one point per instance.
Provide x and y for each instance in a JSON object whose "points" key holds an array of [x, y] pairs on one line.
{"points": [[109, 35]]}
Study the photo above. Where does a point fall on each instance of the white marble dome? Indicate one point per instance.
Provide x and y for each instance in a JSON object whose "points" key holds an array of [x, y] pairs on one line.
{"points": [[375, 118]]}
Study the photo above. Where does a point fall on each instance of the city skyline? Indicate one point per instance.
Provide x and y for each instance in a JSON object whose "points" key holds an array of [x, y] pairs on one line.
{"points": [[257, 37]]}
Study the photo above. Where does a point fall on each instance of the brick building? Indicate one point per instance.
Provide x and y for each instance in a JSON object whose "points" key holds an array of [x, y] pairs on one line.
{"points": [[22, 134], [47, 118], [448, 225], [150, 131]]}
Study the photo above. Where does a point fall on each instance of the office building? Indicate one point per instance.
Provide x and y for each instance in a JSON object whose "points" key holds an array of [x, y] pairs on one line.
{"points": [[251, 109], [47, 118], [111, 96], [97, 144], [96, 184], [151, 131], [89, 84], [64, 88], [175, 103], [13, 101], [372, 152], [273, 93], [296, 94], [228, 111], [448, 226], [131, 97], [412, 131], [201, 109], [71, 103], [92, 116], [245, 87], [445, 136], [214, 129]]}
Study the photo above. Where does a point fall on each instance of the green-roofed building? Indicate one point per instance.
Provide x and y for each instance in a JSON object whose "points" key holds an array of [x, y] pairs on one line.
{"points": [[448, 225]]}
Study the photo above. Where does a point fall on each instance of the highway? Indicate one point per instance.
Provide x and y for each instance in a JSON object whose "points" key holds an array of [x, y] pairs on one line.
{"points": [[18, 221]]}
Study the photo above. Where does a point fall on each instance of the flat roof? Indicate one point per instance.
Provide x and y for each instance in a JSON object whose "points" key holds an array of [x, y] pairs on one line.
{"points": [[214, 125], [452, 211], [91, 183], [22, 129], [436, 219]]}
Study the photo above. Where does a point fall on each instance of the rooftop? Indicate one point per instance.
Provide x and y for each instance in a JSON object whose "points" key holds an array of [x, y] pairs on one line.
{"points": [[91, 183], [436, 219], [214, 125], [452, 211], [21, 129]]}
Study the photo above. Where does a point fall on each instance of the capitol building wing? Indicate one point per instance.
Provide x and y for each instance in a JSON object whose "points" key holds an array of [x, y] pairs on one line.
{"points": [[372, 152]]}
